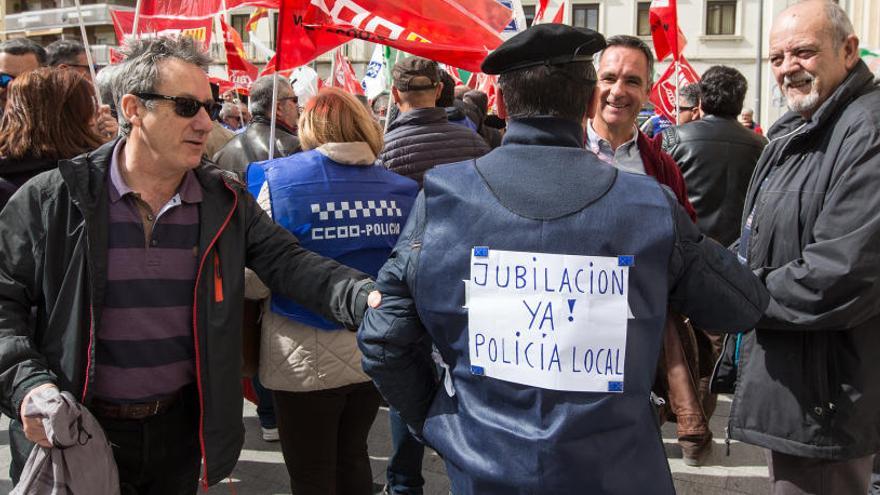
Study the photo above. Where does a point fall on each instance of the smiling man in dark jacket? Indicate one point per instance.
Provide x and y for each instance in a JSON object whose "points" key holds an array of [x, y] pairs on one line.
{"points": [[808, 389], [422, 137], [133, 257]]}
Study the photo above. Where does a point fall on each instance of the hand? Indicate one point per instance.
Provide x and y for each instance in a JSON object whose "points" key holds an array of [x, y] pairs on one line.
{"points": [[105, 124], [374, 299], [33, 426]]}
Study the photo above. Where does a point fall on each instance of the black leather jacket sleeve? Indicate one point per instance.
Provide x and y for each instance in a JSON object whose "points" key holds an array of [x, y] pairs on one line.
{"points": [[22, 366], [707, 282], [321, 284]]}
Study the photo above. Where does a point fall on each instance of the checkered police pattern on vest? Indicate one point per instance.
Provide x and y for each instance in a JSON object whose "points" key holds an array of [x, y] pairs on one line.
{"points": [[355, 209]]}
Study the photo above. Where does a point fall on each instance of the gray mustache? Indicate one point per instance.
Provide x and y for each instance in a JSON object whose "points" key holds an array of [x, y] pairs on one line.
{"points": [[788, 81]]}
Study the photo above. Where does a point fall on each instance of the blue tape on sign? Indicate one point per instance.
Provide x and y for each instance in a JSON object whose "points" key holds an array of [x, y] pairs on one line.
{"points": [[477, 370], [481, 251], [627, 260], [615, 386]]}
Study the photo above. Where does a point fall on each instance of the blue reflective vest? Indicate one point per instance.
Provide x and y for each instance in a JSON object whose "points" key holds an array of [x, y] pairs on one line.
{"points": [[351, 213], [500, 437]]}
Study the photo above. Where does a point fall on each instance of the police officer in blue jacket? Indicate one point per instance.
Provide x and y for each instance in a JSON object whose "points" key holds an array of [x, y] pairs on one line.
{"points": [[543, 279]]}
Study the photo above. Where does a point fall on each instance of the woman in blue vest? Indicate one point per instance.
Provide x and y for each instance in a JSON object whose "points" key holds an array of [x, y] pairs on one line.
{"points": [[339, 204]]}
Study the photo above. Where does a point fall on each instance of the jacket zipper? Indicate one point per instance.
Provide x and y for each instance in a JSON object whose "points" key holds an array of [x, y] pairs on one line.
{"points": [[198, 354], [218, 279], [89, 352]]}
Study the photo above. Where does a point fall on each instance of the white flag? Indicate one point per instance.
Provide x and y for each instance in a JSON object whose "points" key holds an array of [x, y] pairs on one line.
{"points": [[374, 78], [305, 83]]}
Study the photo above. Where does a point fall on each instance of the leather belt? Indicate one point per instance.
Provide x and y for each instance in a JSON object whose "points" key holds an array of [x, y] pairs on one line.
{"points": [[139, 410]]}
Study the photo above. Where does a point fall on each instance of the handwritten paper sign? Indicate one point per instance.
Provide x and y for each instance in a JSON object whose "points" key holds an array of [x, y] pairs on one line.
{"points": [[549, 320]]}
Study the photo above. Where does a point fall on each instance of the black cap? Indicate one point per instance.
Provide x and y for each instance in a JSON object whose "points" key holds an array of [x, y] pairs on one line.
{"points": [[415, 74], [544, 44]]}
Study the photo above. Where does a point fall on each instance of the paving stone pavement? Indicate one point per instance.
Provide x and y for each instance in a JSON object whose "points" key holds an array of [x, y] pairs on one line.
{"points": [[260, 469]]}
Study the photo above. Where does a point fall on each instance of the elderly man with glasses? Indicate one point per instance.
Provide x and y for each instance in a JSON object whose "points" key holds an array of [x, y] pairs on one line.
{"points": [[252, 145], [133, 257]]}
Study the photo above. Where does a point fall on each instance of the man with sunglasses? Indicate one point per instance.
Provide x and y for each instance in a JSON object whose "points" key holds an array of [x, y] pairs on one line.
{"points": [[17, 56], [133, 256], [252, 145]]}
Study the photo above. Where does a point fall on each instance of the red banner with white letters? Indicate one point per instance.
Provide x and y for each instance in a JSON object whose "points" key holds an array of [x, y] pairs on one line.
{"points": [[344, 77], [197, 28], [663, 92], [454, 32], [241, 72]]}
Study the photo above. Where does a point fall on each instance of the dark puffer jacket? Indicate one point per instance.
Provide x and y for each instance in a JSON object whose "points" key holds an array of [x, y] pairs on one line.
{"points": [[421, 139], [717, 156]]}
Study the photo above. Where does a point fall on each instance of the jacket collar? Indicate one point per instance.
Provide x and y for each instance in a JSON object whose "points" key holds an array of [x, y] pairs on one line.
{"points": [[355, 153], [856, 82], [267, 121], [544, 131], [420, 116]]}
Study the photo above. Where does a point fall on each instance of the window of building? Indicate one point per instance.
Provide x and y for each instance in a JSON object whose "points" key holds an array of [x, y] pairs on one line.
{"points": [[586, 16], [238, 22], [529, 11], [643, 20], [721, 17]]}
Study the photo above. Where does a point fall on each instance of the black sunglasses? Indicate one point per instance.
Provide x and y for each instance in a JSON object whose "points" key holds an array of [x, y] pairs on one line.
{"points": [[183, 106], [685, 109], [5, 79], [293, 98]]}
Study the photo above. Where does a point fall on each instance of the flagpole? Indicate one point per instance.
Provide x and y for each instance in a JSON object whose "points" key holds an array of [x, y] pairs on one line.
{"points": [[274, 118], [677, 86], [85, 40], [390, 94], [137, 17]]}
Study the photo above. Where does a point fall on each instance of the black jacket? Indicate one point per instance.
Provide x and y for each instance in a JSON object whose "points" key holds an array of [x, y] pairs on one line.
{"points": [[809, 373], [717, 156], [14, 173], [418, 140], [252, 145], [54, 245]]}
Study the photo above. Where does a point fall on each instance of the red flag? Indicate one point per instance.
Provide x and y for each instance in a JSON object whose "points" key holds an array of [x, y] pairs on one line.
{"points": [[188, 8], [452, 71], [668, 38], [486, 84], [255, 17], [663, 92], [241, 72], [550, 11], [198, 28], [344, 76], [450, 31], [115, 56]]}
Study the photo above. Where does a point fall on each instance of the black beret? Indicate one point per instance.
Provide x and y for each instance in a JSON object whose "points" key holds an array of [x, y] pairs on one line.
{"points": [[544, 44]]}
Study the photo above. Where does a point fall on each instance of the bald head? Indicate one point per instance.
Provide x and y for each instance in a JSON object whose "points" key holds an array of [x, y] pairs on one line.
{"points": [[812, 50]]}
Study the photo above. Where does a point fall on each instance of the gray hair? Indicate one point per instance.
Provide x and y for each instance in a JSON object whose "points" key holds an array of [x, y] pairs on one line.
{"points": [[839, 25], [229, 109], [690, 93], [139, 72], [104, 83], [635, 43], [260, 99]]}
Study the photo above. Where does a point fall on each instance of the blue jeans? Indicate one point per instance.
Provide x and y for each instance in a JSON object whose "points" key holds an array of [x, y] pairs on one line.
{"points": [[404, 471], [265, 408]]}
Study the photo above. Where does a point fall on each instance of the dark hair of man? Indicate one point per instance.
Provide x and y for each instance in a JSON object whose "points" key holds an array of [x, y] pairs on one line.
{"points": [[64, 52], [690, 93], [24, 46], [48, 114], [447, 94], [723, 91], [478, 99], [549, 90], [627, 41]]}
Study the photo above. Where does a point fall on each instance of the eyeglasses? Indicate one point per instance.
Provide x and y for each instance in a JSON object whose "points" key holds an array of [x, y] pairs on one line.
{"points": [[183, 106], [83, 66], [292, 98], [686, 109], [5, 79]]}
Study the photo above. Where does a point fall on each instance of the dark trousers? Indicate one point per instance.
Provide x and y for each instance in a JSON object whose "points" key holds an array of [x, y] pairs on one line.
{"points": [[265, 409], [158, 455], [404, 472], [792, 475], [324, 438]]}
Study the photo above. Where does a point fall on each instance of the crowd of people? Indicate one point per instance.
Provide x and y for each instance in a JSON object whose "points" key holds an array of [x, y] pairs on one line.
{"points": [[157, 248]]}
